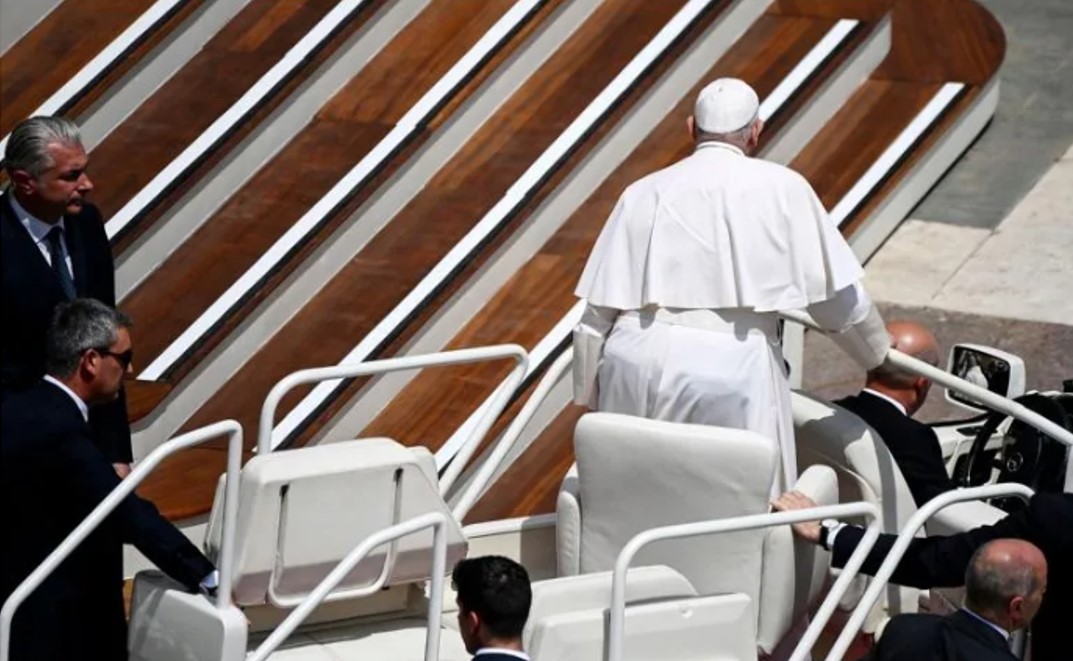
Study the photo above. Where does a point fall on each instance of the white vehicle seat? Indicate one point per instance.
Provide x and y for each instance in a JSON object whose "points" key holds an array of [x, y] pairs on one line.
{"points": [[634, 474], [829, 435], [300, 513]]}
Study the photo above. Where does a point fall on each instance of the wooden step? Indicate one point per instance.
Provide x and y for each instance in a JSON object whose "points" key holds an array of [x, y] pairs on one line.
{"points": [[191, 100], [341, 134], [932, 44], [67, 39], [385, 270]]}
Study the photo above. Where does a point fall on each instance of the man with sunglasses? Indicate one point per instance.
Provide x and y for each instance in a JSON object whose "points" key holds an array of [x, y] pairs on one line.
{"points": [[54, 248], [52, 475]]}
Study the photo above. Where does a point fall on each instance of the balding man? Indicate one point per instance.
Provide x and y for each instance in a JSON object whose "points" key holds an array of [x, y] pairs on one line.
{"points": [[686, 280], [1004, 586], [887, 403], [943, 561]]}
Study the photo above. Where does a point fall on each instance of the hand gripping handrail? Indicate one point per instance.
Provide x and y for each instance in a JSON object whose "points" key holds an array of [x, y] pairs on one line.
{"points": [[901, 544], [616, 633], [510, 437], [266, 443], [958, 385], [435, 520], [125, 488]]}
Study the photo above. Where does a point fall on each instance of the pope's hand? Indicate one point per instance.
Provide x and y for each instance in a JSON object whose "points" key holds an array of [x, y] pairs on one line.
{"points": [[795, 500]]}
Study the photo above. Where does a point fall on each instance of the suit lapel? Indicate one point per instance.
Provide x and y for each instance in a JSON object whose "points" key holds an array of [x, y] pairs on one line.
{"points": [[24, 254]]}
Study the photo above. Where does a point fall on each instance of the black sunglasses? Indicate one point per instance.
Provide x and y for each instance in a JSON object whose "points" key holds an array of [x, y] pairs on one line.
{"points": [[125, 358]]}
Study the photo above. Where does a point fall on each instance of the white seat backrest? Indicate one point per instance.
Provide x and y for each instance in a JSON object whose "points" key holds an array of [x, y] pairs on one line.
{"points": [[828, 434], [302, 511], [635, 474]]}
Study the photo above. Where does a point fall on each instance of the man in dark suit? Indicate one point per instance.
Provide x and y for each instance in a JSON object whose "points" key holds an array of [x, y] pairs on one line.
{"points": [[1004, 585], [887, 404], [52, 475], [54, 249], [493, 600], [941, 561]]}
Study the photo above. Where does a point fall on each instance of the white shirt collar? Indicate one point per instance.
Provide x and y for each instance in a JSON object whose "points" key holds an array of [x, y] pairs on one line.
{"points": [[1005, 634], [715, 144], [78, 400], [500, 650], [893, 402], [35, 226]]}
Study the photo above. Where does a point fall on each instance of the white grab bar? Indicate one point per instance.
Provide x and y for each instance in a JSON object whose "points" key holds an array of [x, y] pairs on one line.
{"points": [[901, 544], [125, 488], [268, 439], [616, 632], [434, 520]]}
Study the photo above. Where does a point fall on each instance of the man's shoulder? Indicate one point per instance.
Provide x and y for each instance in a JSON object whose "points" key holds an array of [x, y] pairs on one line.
{"points": [[42, 408]]}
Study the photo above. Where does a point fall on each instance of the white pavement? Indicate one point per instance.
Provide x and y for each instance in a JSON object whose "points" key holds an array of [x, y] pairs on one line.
{"points": [[1023, 270]]}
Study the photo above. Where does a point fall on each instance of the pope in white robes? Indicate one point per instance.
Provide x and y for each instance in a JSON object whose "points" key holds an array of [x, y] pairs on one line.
{"points": [[686, 280]]}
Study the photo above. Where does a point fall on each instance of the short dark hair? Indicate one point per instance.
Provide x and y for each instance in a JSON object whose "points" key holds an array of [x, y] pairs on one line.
{"points": [[497, 589], [989, 588], [77, 326]]}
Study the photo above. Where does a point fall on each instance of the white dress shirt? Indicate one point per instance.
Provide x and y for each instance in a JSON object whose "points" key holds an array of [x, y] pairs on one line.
{"points": [[500, 650], [1002, 632], [39, 229], [893, 402], [70, 393]]}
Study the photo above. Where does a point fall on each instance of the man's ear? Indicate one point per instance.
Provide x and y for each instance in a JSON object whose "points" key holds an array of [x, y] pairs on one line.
{"points": [[22, 181], [1016, 611]]}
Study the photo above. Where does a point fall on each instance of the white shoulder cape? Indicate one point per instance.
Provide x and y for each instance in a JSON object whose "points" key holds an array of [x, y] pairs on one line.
{"points": [[718, 230]]}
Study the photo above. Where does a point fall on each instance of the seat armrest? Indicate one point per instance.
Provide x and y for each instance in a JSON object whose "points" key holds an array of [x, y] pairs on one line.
{"points": [[963, 516], [568, 525], [820, 483]]}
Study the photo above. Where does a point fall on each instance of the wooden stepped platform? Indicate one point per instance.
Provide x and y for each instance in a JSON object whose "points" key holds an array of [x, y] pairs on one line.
{"points": [[341, 134], [67, 39], [192, 99], [970, 47], [384, 271], [841, 152]]}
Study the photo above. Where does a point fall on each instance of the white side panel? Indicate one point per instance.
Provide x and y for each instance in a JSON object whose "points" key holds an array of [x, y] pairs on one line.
{"points": [[18, 17]]}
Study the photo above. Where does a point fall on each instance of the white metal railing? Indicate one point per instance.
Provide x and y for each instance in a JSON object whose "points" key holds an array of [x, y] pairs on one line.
{"points": [[617, 619], [771, 105], [226, 123], [958, 385], [106, 60], [435, 520], [901, 544], [515, 196], [125, 488], [269, 438], [368, 166], [510, 437]]}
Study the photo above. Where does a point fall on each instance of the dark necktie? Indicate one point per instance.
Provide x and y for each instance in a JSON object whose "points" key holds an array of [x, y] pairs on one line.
{"points": [[59, 261]]}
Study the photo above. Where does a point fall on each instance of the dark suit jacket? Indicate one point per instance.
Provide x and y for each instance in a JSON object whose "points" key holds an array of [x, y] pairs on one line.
{"points": [[495, 656], [929, 637], [914, 445], [31, 291], [939, 561], [51, 476]]}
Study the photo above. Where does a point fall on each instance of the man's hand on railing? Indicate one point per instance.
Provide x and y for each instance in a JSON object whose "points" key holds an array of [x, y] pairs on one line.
{"points": [[122, 470], [795, 500]]}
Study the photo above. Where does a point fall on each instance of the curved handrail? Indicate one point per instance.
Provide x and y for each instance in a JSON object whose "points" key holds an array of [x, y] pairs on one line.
{"points": [[901, 544], [490, 465], [957, 384], [113, 499], [403, 131], [106, 60], [225, 124], [617, 626], [268, 438], [435, 520]]}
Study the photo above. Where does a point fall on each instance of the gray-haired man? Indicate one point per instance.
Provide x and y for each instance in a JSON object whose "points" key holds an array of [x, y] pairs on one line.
{"points": [[52, 475], [54, 248]]}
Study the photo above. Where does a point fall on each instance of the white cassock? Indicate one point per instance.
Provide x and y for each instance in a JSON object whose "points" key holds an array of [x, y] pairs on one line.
{"points": [[684, 285]]}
